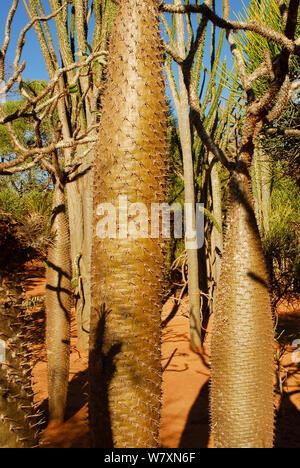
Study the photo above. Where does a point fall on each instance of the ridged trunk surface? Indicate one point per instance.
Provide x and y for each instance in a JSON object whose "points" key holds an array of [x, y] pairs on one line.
{"points": [[127, 274], [18, 418], [58, 307], [242, 348]]}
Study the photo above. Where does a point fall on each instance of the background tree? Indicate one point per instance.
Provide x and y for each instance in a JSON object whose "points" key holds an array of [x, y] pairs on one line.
{"points": [[200, 173], [77, 116], [58, 306], [25, 197], [276, 161], [243, 273], [242, 295], [63, 114]]}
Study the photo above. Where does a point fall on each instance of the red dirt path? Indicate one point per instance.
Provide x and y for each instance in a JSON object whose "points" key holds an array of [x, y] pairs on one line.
{"points": [[185, 414]]}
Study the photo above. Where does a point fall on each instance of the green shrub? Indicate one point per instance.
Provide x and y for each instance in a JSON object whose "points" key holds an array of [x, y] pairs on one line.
{"points": [[281, 242], [11, 204], [26, 228]]}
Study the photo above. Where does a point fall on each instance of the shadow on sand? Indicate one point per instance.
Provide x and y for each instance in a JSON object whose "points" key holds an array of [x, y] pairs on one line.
{"points": [[196, 431]]}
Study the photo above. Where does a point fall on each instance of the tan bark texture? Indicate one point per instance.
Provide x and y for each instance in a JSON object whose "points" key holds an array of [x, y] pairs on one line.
{"points": [[127, 273], [242, 361], [58, 307]]}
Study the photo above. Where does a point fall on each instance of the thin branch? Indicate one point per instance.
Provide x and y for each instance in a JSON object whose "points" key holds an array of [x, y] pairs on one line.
{"points": [[281, 102], [168, 31], [48, 35], [288, 132], [33, 101], [196, 44], [173, 52], [46, 48], [21, 40], [291, 21], [80, 159], [206, 139], [203, 9], [260, 71], [195, 110], [172, 84], [253, 26], [235, 51], [5, 89], [41, 152], [6, 41], [21, 167]]}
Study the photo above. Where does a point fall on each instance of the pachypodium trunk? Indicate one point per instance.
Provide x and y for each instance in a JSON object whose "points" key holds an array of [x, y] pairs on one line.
{"points": [[242, 354], [18, 418], [127, 271], [58, 307]]}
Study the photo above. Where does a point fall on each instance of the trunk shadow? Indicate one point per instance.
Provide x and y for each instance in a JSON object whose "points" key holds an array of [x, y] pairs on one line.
{"points": [[101, 372], [196, 431], [288, 424], [76, 399]]}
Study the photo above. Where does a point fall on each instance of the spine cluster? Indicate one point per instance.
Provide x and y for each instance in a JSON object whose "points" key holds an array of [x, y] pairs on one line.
{"points": [[19, 421]]}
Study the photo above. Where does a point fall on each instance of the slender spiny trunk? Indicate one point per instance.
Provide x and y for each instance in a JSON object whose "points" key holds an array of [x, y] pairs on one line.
{"points": [[190, 199], [216, 234], [242, 354], [58, 307]]}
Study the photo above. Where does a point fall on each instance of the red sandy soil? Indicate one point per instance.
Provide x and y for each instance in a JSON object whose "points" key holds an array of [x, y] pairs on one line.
{"points": [[185, 407]]}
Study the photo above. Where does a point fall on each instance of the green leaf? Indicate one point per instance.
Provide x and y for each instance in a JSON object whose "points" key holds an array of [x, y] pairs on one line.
{"points": [[211, 217], [101, 60], [82, 54], [73, 88]]}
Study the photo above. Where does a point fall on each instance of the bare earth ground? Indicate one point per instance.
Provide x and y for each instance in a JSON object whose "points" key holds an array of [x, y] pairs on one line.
{"points": [[185, 407]]}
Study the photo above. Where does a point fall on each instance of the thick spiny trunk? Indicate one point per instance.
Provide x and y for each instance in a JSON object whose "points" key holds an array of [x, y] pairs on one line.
{"points": [[18, 422], [58, 306], [216, 234], [242, 361], [127, 273]]}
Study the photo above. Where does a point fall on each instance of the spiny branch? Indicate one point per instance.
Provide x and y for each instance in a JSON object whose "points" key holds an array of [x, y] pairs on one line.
{"points": [[288, 132]]}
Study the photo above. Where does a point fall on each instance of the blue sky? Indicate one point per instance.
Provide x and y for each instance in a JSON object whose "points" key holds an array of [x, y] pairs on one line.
{"points": [[36, 68]]}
